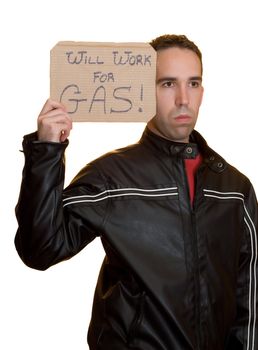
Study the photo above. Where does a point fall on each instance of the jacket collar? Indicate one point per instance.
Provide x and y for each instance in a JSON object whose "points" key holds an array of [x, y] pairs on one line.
{"points": [[189, 150]]}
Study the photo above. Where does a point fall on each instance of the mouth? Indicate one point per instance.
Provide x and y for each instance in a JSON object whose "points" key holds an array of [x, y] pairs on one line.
{"points": [[183, 118]]}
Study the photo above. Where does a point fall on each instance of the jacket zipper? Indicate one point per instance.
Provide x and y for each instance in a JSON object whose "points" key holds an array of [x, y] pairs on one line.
{"points": [[196, 281], [196, 260]]}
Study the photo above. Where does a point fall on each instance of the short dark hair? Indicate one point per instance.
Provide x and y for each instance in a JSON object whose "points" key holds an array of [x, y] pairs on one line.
{"points": [[172, 40]]}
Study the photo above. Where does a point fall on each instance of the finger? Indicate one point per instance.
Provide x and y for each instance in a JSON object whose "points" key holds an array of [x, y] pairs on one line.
{"points": [[50, 128], [54, 133], [55, 116], [53, 113], [50, 105], [64, 135]]}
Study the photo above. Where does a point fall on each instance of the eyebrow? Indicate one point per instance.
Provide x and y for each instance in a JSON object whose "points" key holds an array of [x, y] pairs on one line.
{"points": [[161, 80]]}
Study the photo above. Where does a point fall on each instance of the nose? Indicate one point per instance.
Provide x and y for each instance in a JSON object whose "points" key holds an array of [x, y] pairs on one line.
{"points": [[182, 98]]}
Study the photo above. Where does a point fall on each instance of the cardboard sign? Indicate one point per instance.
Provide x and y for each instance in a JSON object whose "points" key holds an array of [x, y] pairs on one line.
{"points": [[104, 82]]}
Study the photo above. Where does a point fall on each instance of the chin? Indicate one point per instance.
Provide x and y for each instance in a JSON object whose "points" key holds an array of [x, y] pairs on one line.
{"points": [[182, 136]]}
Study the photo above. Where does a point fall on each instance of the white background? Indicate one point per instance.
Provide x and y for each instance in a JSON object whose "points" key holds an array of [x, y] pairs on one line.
{"points": [[51, 310]]}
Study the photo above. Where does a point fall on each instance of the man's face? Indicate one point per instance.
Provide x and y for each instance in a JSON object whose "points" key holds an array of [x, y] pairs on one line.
{"points": [[178, 92]]}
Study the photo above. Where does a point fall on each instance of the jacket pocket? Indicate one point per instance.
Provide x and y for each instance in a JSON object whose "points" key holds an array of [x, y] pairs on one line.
{"points": [[123, 315], [136, 323]]}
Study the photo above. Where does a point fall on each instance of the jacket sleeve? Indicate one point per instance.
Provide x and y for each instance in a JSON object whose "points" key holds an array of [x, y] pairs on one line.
{"points": [[244, 333], [48, 231]]}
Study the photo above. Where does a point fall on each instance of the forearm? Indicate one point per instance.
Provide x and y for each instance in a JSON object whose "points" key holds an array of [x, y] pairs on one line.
{"points": [[39, 209]]}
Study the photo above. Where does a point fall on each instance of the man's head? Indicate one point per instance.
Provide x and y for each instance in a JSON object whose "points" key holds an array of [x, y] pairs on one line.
{"points": [[178, 87]]}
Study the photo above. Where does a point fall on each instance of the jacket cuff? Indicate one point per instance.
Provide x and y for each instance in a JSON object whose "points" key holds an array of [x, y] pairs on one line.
{"points": [[30, 141]]}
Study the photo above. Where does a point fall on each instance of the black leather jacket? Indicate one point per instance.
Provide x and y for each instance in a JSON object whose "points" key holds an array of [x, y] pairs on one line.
{"points": [[175, 277]]}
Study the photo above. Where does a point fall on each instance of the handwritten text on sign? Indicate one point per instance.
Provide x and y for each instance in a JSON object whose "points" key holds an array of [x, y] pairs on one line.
{"points": [[104, 81]]}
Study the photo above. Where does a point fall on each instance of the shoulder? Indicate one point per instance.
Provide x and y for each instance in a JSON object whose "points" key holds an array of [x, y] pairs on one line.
{"points": [[130, 153], [222, 174]]}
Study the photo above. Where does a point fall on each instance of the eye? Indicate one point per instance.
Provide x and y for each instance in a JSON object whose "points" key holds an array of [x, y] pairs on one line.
{"points": [[194, 83], [168, 83]]}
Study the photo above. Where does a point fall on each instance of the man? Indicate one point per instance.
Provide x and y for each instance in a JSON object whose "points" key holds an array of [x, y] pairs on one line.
{"points": [[177, 222]]}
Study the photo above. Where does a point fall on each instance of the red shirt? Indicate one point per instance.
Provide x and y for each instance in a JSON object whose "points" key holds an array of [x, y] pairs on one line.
{"points": [[191, 166]]}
